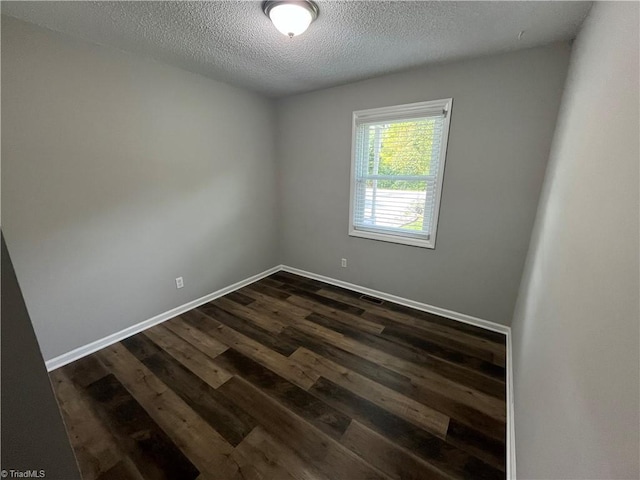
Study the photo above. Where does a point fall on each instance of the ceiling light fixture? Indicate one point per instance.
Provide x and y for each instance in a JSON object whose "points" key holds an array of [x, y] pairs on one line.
{"points": [[291, 17]]}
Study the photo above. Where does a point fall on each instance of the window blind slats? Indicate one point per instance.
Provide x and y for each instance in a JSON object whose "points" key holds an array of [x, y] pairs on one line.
{"points": [[397, 163]]}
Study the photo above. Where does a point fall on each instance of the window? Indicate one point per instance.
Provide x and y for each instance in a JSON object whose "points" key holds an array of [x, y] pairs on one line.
{"points": [[397, 168]]}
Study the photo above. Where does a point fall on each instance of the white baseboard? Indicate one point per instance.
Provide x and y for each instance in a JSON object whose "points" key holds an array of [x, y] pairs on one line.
{"points": [[511, 423], [92, 347], [460, 317], [443, 312]]}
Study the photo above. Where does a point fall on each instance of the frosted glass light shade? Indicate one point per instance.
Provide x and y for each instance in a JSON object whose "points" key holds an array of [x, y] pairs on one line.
{"points": [[291, 18]]}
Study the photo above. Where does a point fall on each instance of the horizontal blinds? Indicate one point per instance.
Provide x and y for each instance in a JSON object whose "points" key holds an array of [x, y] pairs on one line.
{"points": [[397, 163]]}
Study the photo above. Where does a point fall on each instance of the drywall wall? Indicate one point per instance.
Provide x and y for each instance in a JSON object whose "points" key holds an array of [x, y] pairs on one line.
{"points": [[33, 435], [503, 118], [576, 327], [120, 174]]}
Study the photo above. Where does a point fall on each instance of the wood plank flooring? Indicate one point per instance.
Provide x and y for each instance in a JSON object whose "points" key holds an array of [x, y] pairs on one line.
{"points": [[291, 379]]}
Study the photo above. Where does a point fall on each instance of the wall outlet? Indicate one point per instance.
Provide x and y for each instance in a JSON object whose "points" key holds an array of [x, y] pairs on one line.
{"points": [[179, 282], [344, 263]]}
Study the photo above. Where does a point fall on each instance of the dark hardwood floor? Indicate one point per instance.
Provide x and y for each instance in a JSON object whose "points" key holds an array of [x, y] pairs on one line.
{"points": [[290, 378]]}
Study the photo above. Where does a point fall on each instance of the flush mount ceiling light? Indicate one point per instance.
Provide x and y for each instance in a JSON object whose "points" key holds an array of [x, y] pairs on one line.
{"points": [[291, 17]]}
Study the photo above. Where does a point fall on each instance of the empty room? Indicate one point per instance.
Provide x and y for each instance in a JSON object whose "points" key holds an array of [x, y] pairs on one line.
{"points": [[320, 240]]}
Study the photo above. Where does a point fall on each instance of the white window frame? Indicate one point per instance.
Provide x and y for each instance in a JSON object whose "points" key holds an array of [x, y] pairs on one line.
{"points": [[395, 113]]}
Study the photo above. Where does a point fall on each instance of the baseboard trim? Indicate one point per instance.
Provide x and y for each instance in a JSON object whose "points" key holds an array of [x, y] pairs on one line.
{"points": [[443, 312], [92, 347], [511, 423]]}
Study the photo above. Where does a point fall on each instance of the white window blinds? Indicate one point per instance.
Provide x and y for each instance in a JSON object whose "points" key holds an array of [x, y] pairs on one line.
{"points": [[397, 171]]}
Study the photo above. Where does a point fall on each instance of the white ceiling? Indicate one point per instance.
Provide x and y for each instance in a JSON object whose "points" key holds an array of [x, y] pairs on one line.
{"points": [[351, 40]]}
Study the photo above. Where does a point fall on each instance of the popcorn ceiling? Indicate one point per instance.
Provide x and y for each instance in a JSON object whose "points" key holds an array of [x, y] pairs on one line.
{"points": [[351, 40]]}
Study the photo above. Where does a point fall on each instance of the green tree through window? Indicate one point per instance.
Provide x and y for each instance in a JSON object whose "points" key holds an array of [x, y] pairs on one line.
{"points": [[403, 148], [397, 166]]}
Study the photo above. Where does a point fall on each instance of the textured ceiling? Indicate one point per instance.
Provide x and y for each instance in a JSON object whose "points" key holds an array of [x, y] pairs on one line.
{"points": [[351, 40]]}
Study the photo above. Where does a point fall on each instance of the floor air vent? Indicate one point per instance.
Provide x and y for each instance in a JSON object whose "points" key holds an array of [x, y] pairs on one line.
{"points": [[369, 299]]}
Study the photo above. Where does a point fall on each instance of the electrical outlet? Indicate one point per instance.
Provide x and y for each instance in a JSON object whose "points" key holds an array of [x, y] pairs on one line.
{"points": [[179, 282], [344, 263]]}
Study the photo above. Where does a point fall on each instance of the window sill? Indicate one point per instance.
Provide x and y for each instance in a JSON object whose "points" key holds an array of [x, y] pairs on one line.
{"points": [[390, 238]]}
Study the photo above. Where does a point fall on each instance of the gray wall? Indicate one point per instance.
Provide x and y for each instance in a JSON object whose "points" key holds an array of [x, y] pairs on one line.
{"points": [[504, 113], [120, 174], [575, 332], [33, 434]]}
